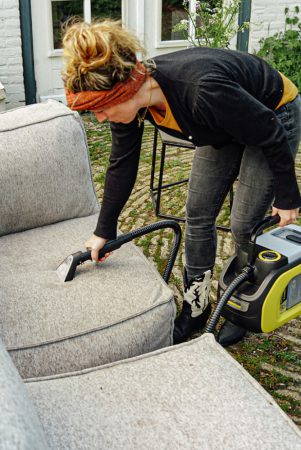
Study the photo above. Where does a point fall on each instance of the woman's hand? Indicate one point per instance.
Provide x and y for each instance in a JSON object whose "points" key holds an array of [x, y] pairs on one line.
{"points": [[95, 244], [287, 216]]}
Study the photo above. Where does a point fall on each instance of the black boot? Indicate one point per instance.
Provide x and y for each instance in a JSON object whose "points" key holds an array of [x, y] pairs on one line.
{"points": [[196, 307], [230, 334], [185, 325]]}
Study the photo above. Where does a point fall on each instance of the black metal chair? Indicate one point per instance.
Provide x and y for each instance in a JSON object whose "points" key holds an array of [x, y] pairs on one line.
{"points": [[156, 191]]}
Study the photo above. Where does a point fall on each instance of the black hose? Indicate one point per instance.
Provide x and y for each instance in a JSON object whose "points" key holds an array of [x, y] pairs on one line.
{"points": [[158, 226], [243, 276], [80, 257]]}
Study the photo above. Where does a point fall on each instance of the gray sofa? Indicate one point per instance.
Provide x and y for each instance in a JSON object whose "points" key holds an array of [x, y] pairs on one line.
{"points": [[48, 208], [191, 396], [88, 364]]}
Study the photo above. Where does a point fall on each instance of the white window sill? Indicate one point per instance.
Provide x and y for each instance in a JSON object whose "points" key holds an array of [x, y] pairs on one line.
{"points": [[171, 44], [55, 53]]}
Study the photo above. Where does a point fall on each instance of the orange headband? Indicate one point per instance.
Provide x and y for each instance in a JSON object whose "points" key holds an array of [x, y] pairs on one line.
{"points": [[100, 100]]}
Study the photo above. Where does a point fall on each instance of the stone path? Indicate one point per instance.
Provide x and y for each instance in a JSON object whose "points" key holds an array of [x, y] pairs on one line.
{"points": [[273, 359]]}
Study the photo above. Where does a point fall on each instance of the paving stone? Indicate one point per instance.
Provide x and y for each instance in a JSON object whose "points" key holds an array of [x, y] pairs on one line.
{"points": [[290, 338], [287, 373]]}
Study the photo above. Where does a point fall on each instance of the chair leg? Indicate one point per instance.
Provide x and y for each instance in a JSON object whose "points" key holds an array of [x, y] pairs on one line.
{"points": [[154, 157], [160, 182]]}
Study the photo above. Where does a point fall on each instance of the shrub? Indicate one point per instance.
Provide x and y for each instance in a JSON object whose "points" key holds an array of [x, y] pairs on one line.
{"points": [[283, 49]]}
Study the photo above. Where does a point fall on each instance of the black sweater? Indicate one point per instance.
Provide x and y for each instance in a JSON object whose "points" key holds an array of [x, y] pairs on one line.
{"points": [[217, 97]]}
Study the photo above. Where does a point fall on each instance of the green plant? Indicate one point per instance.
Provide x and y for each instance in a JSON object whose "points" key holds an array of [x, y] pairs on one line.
{"points": [[213, 24], [283, 49]]}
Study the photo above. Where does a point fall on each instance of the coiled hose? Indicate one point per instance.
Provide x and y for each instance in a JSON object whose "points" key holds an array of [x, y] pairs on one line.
{"points": [[158, 226], [243, 276]]}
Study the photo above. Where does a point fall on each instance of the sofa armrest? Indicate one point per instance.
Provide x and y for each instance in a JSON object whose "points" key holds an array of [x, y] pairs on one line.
{"points": [[45, 173]]}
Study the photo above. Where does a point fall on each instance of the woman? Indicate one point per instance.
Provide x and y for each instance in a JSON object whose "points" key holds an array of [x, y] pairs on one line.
{"points": [[242, 115]]}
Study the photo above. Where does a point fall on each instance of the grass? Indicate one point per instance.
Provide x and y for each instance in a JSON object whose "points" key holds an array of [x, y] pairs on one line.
{"points": [[255, 354]]}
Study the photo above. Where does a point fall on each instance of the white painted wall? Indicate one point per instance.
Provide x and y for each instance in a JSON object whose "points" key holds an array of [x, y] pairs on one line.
{"points": [[11, 63], [267, 18]]}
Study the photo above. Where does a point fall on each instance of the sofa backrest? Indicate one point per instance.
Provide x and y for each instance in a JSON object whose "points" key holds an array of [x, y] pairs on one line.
{"points": [[20, 427], [45, 173]]}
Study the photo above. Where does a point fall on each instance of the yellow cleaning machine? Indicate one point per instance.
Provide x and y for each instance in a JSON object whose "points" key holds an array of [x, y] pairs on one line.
{"points": [[260, 289]]}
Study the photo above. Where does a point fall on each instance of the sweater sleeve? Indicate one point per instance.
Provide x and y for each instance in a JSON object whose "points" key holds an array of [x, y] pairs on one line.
{"points": [[120, 177], [226, 105]]}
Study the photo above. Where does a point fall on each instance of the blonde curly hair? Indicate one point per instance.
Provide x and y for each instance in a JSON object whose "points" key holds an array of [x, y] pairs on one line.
{"points": [[97, 55]]}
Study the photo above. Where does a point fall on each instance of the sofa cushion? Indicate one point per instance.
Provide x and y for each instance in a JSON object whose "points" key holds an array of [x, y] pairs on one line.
{"points": [[119, 309], [192, 396], [20, 428], [45, 174]]}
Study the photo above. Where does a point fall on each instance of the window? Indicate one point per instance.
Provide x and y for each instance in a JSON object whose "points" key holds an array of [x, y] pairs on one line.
{"points": [[172, 12], [97, 9], [106, 8], [61, 11]]}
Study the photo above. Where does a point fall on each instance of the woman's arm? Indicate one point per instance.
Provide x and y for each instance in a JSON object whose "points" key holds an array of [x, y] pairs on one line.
{"points": [[120, 177]]}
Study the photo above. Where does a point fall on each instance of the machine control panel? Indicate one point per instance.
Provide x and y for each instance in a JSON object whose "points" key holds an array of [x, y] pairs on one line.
{"points": [[285, 240]]}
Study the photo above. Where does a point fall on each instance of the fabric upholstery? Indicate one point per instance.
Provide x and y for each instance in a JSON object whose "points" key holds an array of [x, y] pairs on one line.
{"points": [[192, 396], [120, 309], [45, 174], [20, 428]]}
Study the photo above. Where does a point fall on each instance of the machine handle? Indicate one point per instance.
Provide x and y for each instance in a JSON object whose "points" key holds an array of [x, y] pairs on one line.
{"points": [[267, 222], [110, 246]]}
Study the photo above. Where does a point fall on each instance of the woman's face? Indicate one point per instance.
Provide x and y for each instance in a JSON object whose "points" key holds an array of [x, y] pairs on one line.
{"points": [[122, 113]]}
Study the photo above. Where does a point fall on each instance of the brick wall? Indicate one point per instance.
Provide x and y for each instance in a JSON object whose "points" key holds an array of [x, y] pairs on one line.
{"points": [[11, 64], [267, 18]]}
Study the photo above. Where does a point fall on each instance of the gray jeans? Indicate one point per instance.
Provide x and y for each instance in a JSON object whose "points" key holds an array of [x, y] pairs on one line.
{"points": [[212, 175]]}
